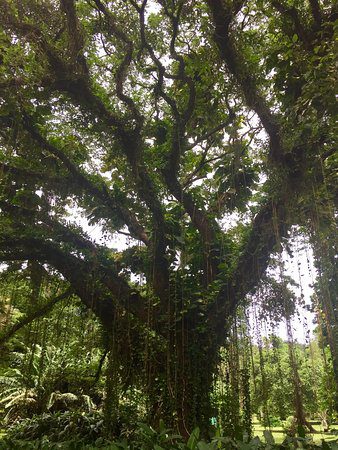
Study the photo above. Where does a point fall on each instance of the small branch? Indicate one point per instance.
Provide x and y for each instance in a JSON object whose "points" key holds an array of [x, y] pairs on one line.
{"points": [[99, 368], [192, 177], [122, 69], [160, 68], [219, 127], [36, 314], [175, 19], [292, 13]]}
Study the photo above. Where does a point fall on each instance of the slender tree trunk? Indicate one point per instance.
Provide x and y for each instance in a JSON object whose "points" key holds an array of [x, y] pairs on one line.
{"points": [[324, 245], [111, 404], [298, 397], [332, 337], [266, 416], [235, 382]]}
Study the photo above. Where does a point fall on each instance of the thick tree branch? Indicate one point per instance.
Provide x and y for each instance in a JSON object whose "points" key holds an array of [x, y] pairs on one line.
{"points": [[101, 193], [76, 85], [99, 287], [316, 12], [62, 185], [75, 33], [222, 17], [80, 91], [55, 230], [268, 227], [24, 175], [131, 143], [206, 226], [33, 34]]}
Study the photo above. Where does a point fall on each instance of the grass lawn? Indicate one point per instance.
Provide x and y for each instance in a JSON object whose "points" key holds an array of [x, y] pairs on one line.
{"points": [[279, 434]]}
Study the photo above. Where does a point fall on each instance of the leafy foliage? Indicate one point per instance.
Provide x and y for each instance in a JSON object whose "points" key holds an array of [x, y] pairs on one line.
{"points": [[192, 135], [74, 431]]}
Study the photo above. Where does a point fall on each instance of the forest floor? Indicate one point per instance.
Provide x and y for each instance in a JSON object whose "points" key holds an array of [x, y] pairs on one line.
{"points": [[279, 433]]}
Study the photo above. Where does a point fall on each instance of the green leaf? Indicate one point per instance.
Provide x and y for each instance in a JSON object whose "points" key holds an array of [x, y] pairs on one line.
{"points": [[202, 445], [193, 439], [146, 429]]}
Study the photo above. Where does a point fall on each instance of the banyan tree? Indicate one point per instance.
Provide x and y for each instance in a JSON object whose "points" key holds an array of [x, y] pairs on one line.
{"points": [[196, 132]]}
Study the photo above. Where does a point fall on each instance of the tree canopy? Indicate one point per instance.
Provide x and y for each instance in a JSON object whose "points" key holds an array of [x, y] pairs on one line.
{"points": [[201, 131]]}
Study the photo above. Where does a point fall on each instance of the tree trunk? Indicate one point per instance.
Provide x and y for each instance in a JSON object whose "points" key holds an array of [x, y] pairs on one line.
{"points": [[180, 381], [197, 358], [327, 292]]}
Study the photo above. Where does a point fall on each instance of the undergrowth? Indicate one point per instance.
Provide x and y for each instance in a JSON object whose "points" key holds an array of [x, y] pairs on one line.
{"points": [[75, 431]]}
